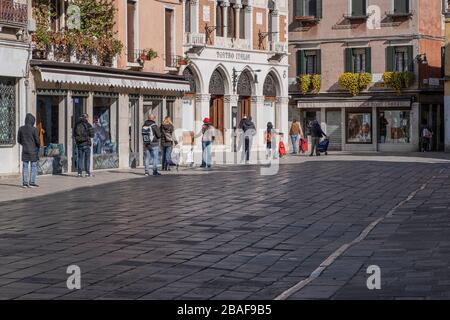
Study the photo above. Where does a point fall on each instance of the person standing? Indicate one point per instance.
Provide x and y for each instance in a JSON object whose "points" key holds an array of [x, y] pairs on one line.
{"points": [[249, 131], [208, 137], [383, 128], [295, 132], [167, 142], [316, 134], [28, 138], [83, 134], [151, 135], [426, 137], [270, 140]]}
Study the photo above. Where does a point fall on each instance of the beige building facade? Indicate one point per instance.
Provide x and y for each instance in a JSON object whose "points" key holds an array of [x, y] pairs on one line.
{"points": [[369, 36]]}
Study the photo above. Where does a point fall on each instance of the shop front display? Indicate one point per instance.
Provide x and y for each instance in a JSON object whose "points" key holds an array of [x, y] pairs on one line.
{"points": [[105, 150], [359, 127], [50, 114], [394, 126]]}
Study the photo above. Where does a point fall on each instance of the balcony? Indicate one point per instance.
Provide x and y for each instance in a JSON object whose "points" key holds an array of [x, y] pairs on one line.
{"points": [[278, 47], [194, 39], [62, 53], [13, 14], [232, 43]]}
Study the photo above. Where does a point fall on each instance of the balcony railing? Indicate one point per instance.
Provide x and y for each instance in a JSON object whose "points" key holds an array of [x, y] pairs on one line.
{"points": [[172, 61], [136, 56], [232, 43], [278, 47], [13, 13], [194, 39]]}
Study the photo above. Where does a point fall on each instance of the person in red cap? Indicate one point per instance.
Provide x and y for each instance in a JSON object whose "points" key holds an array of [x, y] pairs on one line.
{"points": [[207, 140]]}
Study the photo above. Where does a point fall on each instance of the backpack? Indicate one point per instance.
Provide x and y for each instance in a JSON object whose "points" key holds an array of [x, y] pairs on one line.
{"points": [[426, 133], [148, 134]]}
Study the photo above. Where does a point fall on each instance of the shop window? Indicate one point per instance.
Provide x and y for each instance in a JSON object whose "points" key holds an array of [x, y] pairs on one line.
{"points": [[105, 133], [154, 106], [394, 126], [358, 60], [169, 109], [7, 111], [359, 127], [48, 124], [309, 62]]}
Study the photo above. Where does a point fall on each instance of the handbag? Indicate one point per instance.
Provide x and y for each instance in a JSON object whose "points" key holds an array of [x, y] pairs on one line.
{"points": [[303, 145]]}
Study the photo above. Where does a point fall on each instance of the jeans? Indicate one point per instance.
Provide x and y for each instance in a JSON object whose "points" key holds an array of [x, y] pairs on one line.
{"points": [[84, 152], [151, 151], [247, 148], [27, 180], [166, 157], [294, 139], [315, 145], [206, 153]]}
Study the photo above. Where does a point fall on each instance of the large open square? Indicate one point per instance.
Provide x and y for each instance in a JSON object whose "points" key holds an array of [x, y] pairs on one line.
{"points": [[308, 232]]}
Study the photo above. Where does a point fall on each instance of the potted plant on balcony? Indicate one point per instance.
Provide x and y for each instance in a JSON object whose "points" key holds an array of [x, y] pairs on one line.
{"points": [[183, 61], [151, 54]]}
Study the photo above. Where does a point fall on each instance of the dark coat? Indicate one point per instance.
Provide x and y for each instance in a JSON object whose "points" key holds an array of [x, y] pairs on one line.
{"points": [[248, 127], [83, 133], [28, 138], [167, 137], [156, 132], [316, 131]]}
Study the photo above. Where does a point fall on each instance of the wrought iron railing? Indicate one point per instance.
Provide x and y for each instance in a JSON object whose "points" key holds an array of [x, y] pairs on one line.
{"points": [[136, 56], [172, 61], [14, 13]]}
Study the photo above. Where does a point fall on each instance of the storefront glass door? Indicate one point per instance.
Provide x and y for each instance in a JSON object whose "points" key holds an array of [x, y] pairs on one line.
{"points": [[105, 143], [79, 107]]}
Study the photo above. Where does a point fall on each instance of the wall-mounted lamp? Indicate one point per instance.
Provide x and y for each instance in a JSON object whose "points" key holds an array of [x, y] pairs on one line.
{"points": [[422, 58]]}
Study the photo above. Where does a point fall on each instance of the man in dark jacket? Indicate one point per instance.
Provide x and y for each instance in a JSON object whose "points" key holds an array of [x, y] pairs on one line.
{"points": [[151, 135], [83, 134], [316, 134], [249, 129], [28, 138]]}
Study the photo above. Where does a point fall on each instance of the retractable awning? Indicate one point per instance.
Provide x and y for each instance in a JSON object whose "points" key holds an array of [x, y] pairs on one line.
{"points": [[81, 77]]}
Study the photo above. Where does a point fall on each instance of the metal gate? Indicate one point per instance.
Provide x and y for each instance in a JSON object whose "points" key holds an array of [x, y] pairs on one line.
{"points": [[334, 129], [7, 111]]}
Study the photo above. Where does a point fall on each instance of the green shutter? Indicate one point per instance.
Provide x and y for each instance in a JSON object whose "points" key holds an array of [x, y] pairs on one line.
{"points": [[368, 60], [319, 9], [358, 7], [348, 60], [410, 57], [401, 6], [443, 61], [300, 62], [319, 61], [299, 6], [390, 58]]}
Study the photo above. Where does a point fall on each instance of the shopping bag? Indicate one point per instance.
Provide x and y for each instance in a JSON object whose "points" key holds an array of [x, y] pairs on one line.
{"points": [[282, 149], [190, 157], [303, 145], [176, 156]]}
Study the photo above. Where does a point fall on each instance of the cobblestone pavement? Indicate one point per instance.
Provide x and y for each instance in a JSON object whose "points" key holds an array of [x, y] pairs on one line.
{"points": [[234, 234]]}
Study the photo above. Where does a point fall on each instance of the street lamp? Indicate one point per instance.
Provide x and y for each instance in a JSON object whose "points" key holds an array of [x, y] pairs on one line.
{"points": [[422, 58], [262, 36], [236, 74]]}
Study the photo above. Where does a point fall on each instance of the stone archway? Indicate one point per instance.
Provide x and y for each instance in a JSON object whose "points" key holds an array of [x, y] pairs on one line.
{"points": [[245, 92], [216, 105]]}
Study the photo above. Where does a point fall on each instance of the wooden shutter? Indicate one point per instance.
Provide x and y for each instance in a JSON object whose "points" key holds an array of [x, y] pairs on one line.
{"points": [[409, 50], [319, 9], [131, 8], [300, 62], [348, 60], [319, 61], [168, 37], [299, 8], [390, 58], [368, 57]]}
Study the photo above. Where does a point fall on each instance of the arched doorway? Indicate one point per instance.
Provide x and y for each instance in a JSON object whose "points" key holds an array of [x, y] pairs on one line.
{"points": [[216, 106], [244, 91], [270, 97]]}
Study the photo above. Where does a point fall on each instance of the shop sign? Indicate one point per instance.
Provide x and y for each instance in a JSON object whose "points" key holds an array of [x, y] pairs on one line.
{"points": [[225, 55]]}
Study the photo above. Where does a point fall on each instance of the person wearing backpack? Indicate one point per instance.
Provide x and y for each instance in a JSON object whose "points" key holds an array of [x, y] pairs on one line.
{"points": [[151, 135], [83, 133], [167, 142]]}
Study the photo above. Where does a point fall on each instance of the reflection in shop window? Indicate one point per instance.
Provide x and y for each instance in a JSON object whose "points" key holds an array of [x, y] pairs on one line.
{"points": [[47, 123], [394, 126], [359, 127]]}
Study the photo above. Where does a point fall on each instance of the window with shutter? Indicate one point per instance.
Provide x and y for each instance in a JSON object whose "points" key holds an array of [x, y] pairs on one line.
{"points": [[299, 8], [359, 8], [401, 6]]}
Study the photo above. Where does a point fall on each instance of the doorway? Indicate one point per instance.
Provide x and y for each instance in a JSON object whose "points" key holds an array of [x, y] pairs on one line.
{"points": [[244, 108], [216, 113]]}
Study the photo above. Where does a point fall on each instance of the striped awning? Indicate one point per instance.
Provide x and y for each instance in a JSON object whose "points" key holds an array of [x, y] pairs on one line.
{"points": [[107, 79]]}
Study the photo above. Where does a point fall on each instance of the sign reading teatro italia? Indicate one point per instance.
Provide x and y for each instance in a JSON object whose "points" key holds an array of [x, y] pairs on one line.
{"points": [[235, 56]]}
